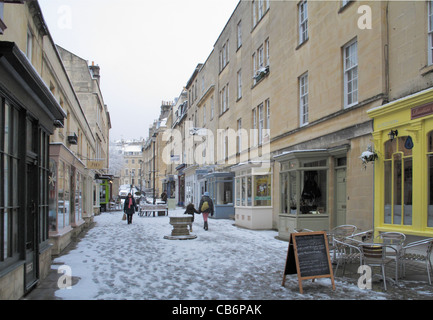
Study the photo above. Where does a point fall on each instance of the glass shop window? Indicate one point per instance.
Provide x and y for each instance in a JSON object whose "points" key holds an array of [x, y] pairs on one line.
{"points": [[304, 191], [398, 181]]}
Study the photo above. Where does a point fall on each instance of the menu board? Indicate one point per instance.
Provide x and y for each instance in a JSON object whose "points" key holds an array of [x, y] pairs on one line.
{"points": [[308, 257]]}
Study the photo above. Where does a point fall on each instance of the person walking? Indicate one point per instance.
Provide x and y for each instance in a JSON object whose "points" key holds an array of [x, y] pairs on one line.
{"points": [[129, 207], [206, 208], [190, 209]]}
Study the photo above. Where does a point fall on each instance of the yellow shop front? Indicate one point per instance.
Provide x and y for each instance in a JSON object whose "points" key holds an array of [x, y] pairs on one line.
{"points": [[403, 177]]}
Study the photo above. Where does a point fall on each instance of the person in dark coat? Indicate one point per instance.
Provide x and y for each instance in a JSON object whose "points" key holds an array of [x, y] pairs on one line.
{"points": [[207, 211], [164, 196], [129, 207], [190, 209]]}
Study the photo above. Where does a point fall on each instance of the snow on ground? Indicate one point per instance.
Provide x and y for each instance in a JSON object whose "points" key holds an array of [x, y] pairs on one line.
{"points": [[115, 261]]}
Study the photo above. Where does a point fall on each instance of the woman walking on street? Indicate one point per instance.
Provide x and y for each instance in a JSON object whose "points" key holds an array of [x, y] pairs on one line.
{"points": [[129, 207], [206, 207]]}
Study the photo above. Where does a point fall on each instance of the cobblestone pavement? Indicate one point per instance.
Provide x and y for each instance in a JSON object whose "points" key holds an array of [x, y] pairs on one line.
{"points": [[115, 261]]}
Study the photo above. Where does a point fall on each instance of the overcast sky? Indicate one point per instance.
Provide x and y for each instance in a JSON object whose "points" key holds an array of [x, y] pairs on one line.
{"points": [[147, 50]]}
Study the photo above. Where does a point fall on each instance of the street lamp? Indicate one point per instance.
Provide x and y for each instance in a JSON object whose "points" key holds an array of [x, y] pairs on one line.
{"points": [[141, 175]]}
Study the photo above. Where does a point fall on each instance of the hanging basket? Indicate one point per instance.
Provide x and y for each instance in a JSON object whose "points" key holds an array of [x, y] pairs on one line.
{"points": [[368, 156]]}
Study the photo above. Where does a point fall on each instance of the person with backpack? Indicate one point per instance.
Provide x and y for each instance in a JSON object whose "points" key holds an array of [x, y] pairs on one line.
{"points": [[206, 208]]}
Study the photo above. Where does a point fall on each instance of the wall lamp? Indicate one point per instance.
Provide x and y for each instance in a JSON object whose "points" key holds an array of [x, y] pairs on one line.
{"points": [[392, 134]]}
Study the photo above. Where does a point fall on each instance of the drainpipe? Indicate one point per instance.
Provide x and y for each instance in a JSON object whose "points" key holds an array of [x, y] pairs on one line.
{"points": [[386, 55]]}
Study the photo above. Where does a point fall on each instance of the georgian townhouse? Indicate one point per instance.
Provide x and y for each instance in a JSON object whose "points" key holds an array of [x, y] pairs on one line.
{"points": [[50, 196]]}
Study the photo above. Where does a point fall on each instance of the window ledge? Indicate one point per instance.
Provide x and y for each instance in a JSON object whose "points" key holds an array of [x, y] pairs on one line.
{"points": [[2, 26], [426, 70], [345, 6], [302, 43]]}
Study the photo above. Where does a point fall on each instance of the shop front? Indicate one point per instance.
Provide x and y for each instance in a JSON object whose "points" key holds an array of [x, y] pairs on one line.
{"points": [[253, 195], [403, 178], [28, 116], [195, 184], [304, 191], [220, 188], [66, 189]]}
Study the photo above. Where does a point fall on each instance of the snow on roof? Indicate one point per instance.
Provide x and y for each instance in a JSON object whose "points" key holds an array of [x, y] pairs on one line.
{"points": [[132, 148]]}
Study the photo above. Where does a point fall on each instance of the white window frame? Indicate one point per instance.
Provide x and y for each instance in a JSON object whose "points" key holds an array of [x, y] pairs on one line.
{"points": [[227, 97], [261, 122], [239, 86], [261, 57], [303, 21], [430, 31], [254, 67], [267, 131], [239, 33], [267, 51], [254, 131], [239, 135], [212, 106], [350, 64], [2, 24], [303, 99], [29, 45]]}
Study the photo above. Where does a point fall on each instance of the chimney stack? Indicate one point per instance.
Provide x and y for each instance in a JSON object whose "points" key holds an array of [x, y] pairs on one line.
{"points": [[94, 70]]}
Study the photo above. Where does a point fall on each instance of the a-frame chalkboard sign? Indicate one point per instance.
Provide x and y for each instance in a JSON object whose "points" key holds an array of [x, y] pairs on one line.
{"points": [[308, 256]]}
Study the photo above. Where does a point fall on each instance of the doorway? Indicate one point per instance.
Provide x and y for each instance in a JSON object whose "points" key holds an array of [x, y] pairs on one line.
{"points": [[340, 194], [31, 224]]}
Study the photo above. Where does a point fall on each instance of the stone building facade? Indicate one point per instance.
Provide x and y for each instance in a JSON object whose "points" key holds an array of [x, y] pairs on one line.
{"points": [[47, 147], [283, 99]]}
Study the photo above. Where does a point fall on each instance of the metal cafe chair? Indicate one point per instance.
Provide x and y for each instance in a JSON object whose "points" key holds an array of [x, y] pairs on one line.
{"points": [[374, 255], [346, 253], [339, 233], [348, 250], [394, 240], [425, 256]]}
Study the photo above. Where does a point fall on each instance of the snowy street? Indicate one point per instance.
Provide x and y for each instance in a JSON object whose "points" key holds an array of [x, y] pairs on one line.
{"points": [[115, 261]]}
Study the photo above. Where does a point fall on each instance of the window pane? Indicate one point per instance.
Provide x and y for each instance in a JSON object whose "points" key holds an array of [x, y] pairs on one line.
{"points": [[390, 148], [244, 191], [388, 195], [397, 189], [407, 191], [430, 191], [60, 199], [6, 182], [238, 191], [263, 190], [14, 182], [7, 128], [5, 234], [313, 196], [52, 182], [67, 194], [224, 192], [249, 189], [284, 178]]}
